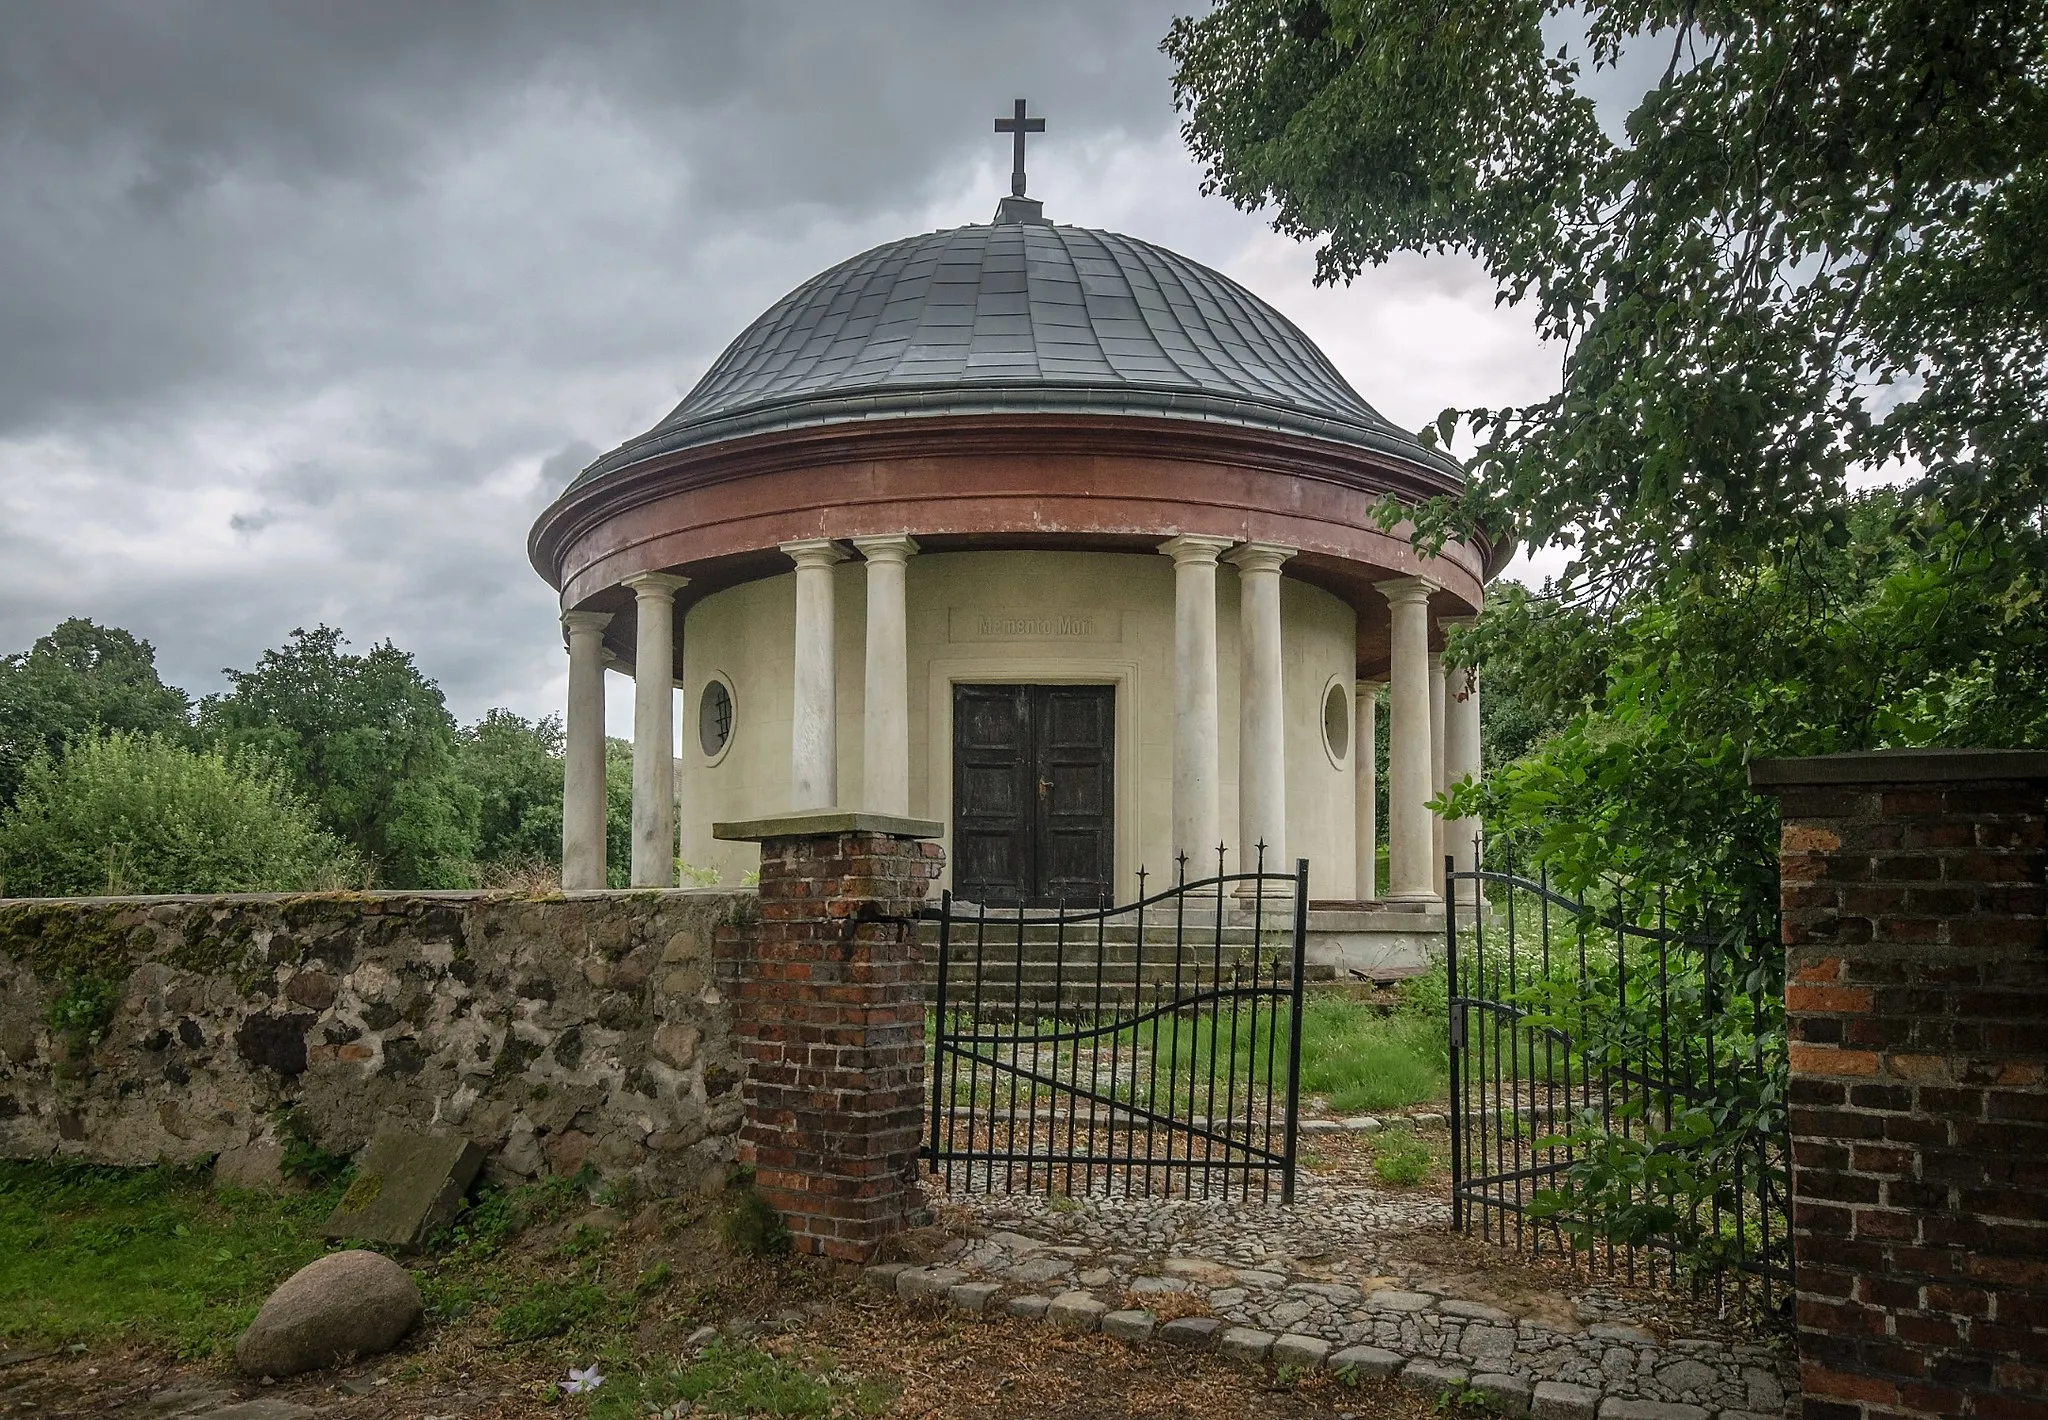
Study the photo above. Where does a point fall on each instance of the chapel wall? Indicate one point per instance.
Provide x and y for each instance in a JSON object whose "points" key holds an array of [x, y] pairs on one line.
{"points": [[1319, 647], [1032, 617], [1049, 617]]}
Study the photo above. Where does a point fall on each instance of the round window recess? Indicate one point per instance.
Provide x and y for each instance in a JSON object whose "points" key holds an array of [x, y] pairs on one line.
{"points": [[714, 719], [1337, 722]]}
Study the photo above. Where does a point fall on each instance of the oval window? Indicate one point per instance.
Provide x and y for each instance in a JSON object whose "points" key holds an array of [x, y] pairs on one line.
{"points": [[1337, 721], [714, 718]]}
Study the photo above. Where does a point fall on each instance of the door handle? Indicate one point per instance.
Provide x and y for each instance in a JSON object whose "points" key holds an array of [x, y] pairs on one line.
{"points": [[1044, 788]]}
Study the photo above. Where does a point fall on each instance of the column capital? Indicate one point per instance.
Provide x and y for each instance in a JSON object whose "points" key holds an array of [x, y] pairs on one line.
{"points": [[1406, 591], [588, 623], [1457, 621], [814, 552], [650, 585], [1196, 548], [1259, 556], [1366, 686], [889, 547]]}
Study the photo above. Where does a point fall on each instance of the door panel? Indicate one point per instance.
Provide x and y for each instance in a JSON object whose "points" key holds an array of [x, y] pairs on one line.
{"points": [[992, 793], [1034, 793], [1076, 738]]}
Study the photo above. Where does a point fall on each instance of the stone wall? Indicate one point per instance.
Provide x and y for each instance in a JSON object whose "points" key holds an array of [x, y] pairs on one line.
{"points": [[594, 1028], [1917, 1009]]}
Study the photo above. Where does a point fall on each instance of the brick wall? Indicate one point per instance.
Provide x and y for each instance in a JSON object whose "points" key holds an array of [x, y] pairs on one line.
{"points": [[1917, 1008], [830, 1021]]}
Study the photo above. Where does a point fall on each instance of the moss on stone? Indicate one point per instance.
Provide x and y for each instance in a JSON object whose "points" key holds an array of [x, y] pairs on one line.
{"points": [[76, 939], [361, 1194]]}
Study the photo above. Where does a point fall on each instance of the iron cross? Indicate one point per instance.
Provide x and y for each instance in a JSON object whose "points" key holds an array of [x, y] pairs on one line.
{"points": [[1019, 125]]}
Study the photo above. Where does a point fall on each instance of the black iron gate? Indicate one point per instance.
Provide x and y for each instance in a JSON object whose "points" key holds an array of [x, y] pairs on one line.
{"points": [[1147, 1048], [1618, 1086]]}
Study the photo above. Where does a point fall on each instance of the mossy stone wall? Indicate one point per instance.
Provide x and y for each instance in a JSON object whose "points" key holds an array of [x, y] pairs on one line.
{"points": [[554, 1031]]}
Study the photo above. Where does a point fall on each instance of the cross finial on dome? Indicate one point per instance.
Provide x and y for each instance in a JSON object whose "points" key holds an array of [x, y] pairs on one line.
{"points": [[1017, 207], [1019, 125]]}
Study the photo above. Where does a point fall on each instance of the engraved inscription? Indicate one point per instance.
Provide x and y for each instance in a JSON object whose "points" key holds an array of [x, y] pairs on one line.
{"points": [[1024, 624]]}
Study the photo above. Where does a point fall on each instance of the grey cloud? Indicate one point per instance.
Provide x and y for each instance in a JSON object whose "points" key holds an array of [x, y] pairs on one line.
{"points": [[306, 309]]}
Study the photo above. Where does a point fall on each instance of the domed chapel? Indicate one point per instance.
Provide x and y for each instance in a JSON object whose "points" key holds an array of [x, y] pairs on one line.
{"points": [[1047, 535]]}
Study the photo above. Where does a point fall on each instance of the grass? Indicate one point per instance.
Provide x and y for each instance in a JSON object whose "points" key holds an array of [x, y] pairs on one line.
{"points": [[1398, 1156], [1357, 1055], [739, 1380], [154, 1255], [158, 1258], [1361, 1059]]}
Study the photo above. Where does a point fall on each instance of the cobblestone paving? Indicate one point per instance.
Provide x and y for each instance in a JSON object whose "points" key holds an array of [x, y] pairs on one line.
{"points": [[1333, 1281]]}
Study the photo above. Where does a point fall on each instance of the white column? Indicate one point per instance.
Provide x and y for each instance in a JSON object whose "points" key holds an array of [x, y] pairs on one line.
{"points": [[1436, 756], [583, 796], [1197, 811], [1410, 839], [1365, 721], [654, 729], [1461, 748], [885, 717], [1261, 722], [814, 718]]}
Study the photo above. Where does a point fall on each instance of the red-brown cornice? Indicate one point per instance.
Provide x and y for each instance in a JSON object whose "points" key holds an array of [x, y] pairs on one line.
{"points": [[1076, 480]]}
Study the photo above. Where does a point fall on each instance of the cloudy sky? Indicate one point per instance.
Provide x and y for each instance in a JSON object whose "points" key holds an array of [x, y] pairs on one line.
{"points": [[307, 309]]}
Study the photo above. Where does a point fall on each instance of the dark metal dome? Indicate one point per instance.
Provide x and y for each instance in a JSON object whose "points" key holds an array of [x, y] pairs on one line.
{"points": [[1020, 317]]}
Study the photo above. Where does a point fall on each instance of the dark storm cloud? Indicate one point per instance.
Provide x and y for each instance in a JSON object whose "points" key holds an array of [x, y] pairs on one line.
{"points": [[178, 174], [307, 309]]}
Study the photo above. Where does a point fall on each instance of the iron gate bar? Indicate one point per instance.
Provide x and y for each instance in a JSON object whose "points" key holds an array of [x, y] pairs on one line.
{"points": [[1636, 1081], [1184, 1134]]}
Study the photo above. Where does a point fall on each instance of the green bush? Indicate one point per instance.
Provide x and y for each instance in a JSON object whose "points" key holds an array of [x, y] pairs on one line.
{"points": [[138, 813]]}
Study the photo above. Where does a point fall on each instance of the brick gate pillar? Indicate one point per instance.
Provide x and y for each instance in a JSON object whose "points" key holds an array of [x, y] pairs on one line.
{"points": [[829, 1017], [1917, 1009]]}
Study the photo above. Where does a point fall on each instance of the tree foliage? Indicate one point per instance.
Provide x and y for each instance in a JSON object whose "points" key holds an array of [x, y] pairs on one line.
{"points": [[515, 767], [1663, 700], [134, 813], [1820, 246], [373, 745], [81, 678]]}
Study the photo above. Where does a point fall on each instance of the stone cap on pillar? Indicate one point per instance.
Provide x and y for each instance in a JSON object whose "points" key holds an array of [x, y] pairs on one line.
{"points": [[1899, 766], [825, 823]]}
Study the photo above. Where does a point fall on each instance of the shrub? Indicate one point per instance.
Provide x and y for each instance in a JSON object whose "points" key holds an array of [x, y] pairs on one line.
{"points": [[138, 813]]}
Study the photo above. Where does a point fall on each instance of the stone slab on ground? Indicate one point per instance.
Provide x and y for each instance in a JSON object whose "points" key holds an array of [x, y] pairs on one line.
{"points": [[1075, 1311], [1294, 1349], [973, 1296], [1368, 1361], [1030, 1308], [1129, 1325], [1242, 1343], [1555, 1400], [407, 1184], [916, 1283], [1191, 1330], [1504, 1394], [1432, 1379], [882, 1277], [1617, 1407], [264, 1407], [261, 1408]]}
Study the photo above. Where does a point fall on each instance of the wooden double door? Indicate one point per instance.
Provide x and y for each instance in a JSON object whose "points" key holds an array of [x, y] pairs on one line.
{"points": [[1034, 780]]}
